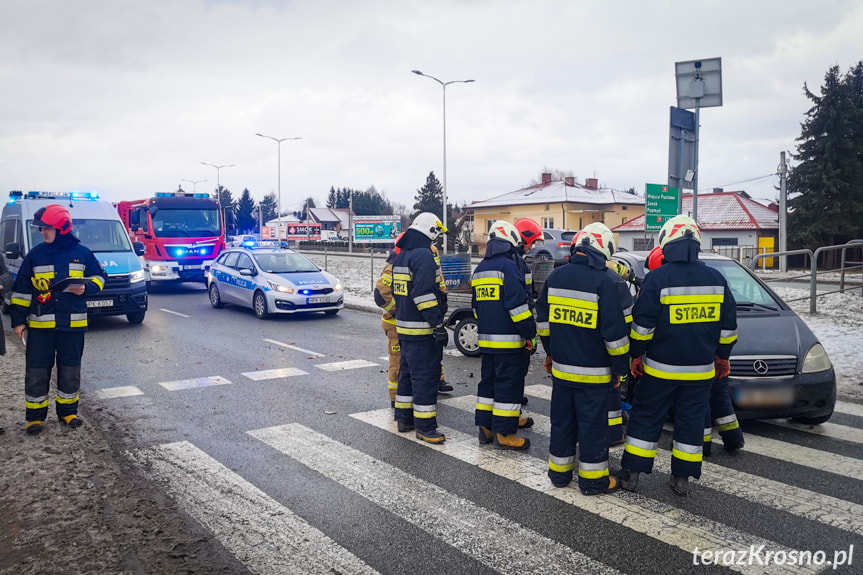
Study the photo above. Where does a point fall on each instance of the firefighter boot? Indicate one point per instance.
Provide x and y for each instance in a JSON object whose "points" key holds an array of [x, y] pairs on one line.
{"points": [[613, 484], [525, 422], [405, 427], [444, 387], [433, 436], [679, 485], [628, 479], [34, 427], [511, 442], [485, 435], [72, 421]]}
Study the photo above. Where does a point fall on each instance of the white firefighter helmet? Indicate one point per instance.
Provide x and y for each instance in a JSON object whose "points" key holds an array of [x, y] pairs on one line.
{"points": [[598, 236], [428, 225], [677, 228], [504, 230]]}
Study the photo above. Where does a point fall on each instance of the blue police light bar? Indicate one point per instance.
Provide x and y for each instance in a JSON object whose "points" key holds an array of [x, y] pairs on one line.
{"points": [[34, 195]]}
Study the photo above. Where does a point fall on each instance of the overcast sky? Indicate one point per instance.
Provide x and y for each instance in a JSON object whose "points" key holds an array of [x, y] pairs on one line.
{"points": [[129, 97]]}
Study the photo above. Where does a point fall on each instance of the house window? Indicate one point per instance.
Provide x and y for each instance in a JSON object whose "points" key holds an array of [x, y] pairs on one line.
{"points": [[548, 223], [622, 207], [622, 221], [580, 222]]}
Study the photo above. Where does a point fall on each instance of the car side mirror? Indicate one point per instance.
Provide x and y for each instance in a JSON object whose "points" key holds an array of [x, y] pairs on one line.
{"points": [[247, 272], [139, 247], [12, 251]]}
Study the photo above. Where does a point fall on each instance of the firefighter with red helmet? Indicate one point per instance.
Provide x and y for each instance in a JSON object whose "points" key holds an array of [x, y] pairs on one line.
{"points": [[49, 313], [684, 326], [721, 413], [506, 328], [580, 320], [418, 313]]}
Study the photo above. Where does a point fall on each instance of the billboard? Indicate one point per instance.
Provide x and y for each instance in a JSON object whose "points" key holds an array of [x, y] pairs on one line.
{"points": [[292, 231], [371, 229]]}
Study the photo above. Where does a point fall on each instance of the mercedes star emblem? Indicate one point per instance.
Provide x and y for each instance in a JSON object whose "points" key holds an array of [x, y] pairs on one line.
{"points": [[760, 366]]}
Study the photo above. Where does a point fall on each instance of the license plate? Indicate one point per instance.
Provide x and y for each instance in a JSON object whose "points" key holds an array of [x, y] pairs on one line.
{"points": [[100, 303], [193, 267], [764, 397], [318, 300]]}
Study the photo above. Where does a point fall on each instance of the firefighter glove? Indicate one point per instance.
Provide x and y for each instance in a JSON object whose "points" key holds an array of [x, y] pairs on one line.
{"points": [[620, 380], [530, 345], [548, 362], [441, 336], [723, 368], [637, 368]]}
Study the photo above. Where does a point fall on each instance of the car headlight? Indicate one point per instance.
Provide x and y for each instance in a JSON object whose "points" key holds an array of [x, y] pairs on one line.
{"points": [[136, 276], [280, 288], [338, 286], [816, 360]]}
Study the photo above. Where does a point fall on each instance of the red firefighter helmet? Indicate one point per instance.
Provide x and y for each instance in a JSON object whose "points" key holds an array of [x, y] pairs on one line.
{"points": [[397, 249], [654, 258], [53, 216], [529, 230]]}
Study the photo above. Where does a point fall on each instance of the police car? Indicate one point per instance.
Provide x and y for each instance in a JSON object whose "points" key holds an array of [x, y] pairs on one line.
{"points": [[272, 280]]}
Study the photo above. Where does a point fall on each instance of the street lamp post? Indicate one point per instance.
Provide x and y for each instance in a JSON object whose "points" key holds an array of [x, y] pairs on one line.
{"points": [[218, 180], [278, 142], [443, 85], [194, 184]]}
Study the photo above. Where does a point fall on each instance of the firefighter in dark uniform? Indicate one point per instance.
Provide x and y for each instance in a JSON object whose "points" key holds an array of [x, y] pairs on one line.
{"points": [[721, 413], [506, 327], [684, 326], [581, 324], [51, 321], [418, 313], [531, 236]]}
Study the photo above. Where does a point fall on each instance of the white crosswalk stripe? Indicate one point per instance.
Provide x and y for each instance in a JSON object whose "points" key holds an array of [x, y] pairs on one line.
{"points": [[196, 382], [668, 524], [119, 391], [831, 511], [343, 365], [486, 536], [849, 408], [274, 373], [831, 430]]}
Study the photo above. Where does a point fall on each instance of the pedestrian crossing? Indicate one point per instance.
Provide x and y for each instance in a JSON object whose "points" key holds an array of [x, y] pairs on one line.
{"points": [[266, 536]]}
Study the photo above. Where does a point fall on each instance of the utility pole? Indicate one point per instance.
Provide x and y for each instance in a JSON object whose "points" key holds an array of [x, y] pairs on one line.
{"points": [[351, 222], [783, 214]]}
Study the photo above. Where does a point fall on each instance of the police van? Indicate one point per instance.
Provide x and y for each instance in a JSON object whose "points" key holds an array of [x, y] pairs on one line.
{"points": [[96, 223]]}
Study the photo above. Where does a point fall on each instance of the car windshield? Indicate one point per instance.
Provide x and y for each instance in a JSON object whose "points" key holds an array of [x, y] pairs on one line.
{"points": [[284, 263], [97, 235], [744, 287]]}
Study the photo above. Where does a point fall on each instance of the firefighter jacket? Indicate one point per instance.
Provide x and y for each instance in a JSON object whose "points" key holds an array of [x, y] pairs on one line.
{"points": [[33, 301], [527, 272], [500, 301], [415, 288], [626, 299], [684, 318], [384, 291], [581, 323]]}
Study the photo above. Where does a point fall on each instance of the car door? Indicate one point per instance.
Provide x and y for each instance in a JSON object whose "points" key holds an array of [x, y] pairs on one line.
{"points": [[226, 276], [245, 284]]}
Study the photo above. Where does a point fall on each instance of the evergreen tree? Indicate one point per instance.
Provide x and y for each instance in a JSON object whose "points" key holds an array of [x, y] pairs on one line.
{"points": [[268, 207], [826, 187], [429, 198], [331, 198], [246, 221], [226, 198]]}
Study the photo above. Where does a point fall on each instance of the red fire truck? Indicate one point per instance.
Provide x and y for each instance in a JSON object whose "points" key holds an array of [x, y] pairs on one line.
{"points": [[182, 234]]}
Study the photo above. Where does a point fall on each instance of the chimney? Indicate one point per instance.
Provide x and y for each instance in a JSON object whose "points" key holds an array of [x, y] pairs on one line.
{"points": [[546, 177], [717, 190], [591, 184], [570, 180]]}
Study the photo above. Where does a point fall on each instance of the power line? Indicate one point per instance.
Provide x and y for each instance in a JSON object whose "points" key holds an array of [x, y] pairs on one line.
{"points": [[755, 179]]}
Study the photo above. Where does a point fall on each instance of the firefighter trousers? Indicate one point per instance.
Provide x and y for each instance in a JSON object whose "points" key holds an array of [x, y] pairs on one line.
{"points": [[579, 417], [656, 397], [45, 348], [499, 393], [419, 376], [394, 357], [721, 414]]}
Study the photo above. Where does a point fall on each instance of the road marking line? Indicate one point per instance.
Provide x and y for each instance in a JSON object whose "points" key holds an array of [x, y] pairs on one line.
{"points": [[666, 523], [264, 535], [343, 365], [493, 540], [197, 382], [295, 348], [174, 312], [825, 509], [831, 430], [274, 373], [119, 391], [849, 408], [384, 357]]}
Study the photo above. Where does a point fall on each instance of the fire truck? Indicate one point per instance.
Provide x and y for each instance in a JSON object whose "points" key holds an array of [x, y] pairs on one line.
{"points": [[182, 234]]}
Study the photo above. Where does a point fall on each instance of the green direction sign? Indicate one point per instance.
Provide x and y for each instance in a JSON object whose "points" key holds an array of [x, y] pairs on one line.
{"points": [[660, 204]]}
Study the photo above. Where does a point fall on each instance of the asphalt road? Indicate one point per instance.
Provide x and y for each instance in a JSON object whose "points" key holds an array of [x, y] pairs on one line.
{"points": [[300, 470]]}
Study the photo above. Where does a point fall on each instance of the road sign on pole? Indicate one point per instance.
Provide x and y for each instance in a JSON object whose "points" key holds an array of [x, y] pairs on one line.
{"points": [[661, 203]]}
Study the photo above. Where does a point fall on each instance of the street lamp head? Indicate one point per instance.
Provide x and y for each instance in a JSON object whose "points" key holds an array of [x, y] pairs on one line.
{"points": [[468, 81], [417, 72]]}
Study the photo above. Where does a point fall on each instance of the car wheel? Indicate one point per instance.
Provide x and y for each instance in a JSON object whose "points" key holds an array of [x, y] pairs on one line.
{"points": [[812, 420], [332, 311], [136, 317], [215, 297], [259, 303], [467, 337]]}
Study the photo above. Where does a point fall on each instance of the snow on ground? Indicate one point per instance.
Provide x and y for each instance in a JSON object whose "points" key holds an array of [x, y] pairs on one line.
{"points": [[838, 324]]}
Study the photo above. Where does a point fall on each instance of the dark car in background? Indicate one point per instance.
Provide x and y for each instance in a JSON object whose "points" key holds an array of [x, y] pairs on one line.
{"points": [[556, 247], [778, 367]]}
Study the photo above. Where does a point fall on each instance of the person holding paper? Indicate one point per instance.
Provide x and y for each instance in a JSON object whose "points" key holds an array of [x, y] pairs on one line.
{"points": [[49, 313]]}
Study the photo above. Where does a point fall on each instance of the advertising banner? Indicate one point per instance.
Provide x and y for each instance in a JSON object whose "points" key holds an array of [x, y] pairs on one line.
{"points": [[371, 229], [293, 232]]}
